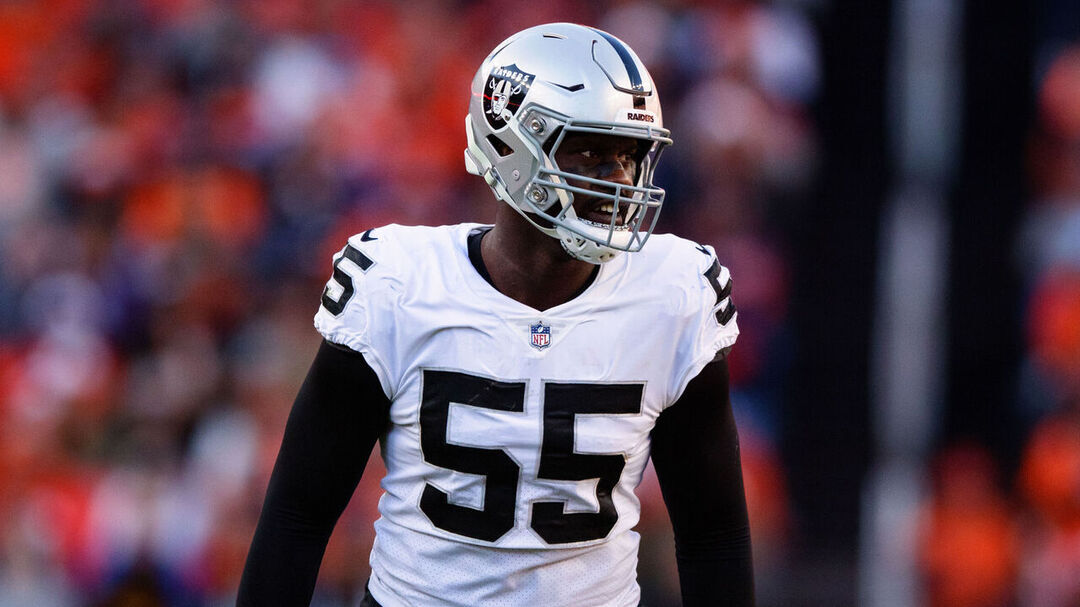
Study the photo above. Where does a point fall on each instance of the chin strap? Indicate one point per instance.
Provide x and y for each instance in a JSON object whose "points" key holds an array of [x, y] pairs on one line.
{"points": [[584, 249]]}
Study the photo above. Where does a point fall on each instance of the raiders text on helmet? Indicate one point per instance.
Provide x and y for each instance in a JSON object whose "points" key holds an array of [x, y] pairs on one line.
{"points": [[533, 90]]}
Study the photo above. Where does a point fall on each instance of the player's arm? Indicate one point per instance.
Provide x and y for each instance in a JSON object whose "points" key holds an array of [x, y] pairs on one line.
{"points": [[338, 415], [695, 450]]}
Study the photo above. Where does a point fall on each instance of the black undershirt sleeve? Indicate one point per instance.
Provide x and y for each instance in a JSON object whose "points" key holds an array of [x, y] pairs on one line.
{"points": [[695, 450], [338, 415]]}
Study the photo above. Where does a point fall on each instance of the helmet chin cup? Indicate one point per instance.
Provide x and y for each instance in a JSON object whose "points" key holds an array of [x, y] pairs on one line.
{"points": [[533, 90], [585, 249]]}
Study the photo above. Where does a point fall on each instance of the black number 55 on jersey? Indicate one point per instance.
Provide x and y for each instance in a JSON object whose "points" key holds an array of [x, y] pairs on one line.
{"points": [[336, 306], [558, 460]]}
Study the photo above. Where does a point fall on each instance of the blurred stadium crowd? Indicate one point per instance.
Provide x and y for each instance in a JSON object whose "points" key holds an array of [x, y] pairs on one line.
{"points": [[175, 176], [994, 531]]}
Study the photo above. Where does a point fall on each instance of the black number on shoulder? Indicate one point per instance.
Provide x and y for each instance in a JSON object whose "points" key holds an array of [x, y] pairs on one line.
{"points": [[500, 491], [559, 461], [336, 306], [723, 316]]}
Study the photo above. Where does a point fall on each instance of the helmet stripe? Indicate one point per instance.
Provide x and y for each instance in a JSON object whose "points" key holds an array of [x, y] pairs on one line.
{"points": [[627, 59]]}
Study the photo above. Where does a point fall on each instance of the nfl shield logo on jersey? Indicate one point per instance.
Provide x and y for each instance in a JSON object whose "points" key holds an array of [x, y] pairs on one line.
{"points": [[541, 335]]}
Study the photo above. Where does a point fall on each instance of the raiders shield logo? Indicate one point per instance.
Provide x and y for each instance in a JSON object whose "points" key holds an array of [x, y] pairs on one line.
{"points": [[504, 91]]}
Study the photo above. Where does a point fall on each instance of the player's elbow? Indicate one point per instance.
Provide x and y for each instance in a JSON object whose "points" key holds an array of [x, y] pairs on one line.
{"points": [[719, 544]]}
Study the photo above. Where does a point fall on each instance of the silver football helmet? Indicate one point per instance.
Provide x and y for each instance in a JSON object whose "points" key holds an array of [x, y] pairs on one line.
{"points": [[533, 90]]}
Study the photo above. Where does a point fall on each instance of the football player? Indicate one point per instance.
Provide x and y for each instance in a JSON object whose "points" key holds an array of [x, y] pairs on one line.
{"points": [[519, 375]]}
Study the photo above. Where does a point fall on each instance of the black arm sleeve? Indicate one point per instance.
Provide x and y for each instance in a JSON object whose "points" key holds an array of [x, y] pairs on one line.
{"points": [[695, 450], [338, 415]]}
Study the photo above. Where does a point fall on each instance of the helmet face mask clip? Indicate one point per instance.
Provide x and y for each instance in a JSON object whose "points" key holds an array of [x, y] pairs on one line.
{"points": [[548, 83]]}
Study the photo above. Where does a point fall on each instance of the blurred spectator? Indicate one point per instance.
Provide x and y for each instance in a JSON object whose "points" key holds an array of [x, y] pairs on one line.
{"points": [[1050, 482], [968, 537]]}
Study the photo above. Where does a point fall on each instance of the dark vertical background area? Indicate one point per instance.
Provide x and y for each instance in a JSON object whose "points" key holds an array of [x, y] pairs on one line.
{"points": [[826, 433], [984, 310]]}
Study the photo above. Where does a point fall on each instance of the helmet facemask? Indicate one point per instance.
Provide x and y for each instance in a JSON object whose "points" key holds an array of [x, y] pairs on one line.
{"points": [[551, 191]]}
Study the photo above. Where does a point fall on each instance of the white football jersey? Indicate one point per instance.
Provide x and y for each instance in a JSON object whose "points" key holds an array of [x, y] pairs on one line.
{"points": [[517, 435]]}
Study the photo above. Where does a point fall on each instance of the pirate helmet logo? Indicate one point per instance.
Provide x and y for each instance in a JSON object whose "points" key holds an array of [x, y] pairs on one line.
{"points": [[504, 91]]}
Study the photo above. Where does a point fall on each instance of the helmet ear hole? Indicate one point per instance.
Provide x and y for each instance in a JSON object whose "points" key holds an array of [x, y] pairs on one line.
{"points": [[500, 146], [552, 138]]}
